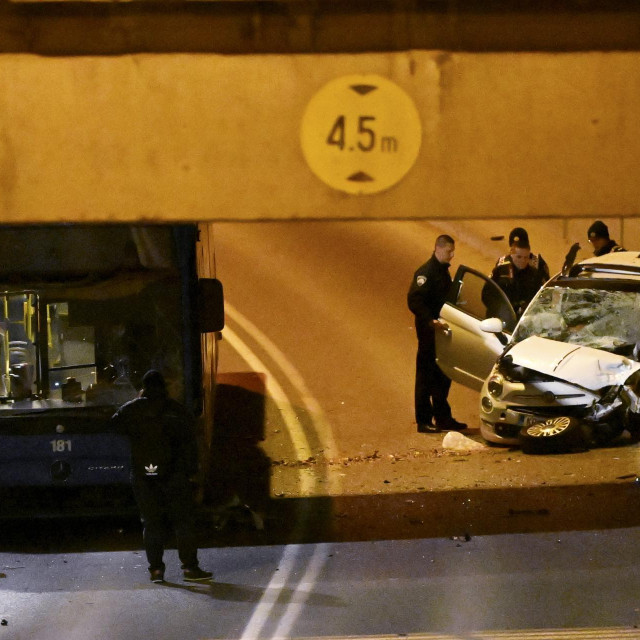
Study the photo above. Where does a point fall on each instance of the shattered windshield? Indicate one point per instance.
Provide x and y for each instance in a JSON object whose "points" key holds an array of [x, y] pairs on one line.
{"points": [[590, 317]]}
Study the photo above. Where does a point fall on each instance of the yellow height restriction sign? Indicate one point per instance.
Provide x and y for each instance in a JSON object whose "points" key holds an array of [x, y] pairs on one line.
{"points": [[361, 134]]}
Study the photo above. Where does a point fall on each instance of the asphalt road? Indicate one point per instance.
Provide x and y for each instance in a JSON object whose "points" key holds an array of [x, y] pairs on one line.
{"points": [[75, 581], [316, 385], [331, 297], [320, 338]]}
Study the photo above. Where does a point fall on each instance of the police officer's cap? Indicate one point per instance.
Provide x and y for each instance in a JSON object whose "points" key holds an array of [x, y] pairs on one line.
{"points": [[598, 230], [518, 234]]}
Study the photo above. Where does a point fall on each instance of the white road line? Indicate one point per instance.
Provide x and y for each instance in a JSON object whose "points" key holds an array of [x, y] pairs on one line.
{"points": [[302, 591], [271, 594], [277, 394], [320, 422]]}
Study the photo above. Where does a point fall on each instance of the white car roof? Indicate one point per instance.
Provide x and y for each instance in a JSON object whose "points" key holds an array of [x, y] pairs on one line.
{"points": [[631, 258], [619, 264]]}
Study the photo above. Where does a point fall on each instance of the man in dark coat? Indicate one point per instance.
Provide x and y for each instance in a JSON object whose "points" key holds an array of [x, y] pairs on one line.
{"points": [[517, 278], [427, 294], [164, 459], [518, 234], [598, 234]]}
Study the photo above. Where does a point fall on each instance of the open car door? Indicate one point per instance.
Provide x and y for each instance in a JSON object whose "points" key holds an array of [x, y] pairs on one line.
{"points": [[466, 353]]}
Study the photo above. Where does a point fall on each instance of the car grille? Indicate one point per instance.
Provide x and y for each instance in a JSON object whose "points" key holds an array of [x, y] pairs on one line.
{"points": [[551, 412]]}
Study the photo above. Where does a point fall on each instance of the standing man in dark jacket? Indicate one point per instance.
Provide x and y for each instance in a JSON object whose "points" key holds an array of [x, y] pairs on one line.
{"points": [[517, 278], [164, 458], [598, 234], [427, 294], [518, 235]]}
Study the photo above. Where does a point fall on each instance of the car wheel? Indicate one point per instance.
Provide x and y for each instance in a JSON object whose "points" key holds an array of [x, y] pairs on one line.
{"points": [[555, 435]]}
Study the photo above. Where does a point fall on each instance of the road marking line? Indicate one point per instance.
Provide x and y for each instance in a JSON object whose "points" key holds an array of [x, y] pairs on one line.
{"points": [[277, 394], [302, 591], [316, 414], [271, 594], [320, 421]]}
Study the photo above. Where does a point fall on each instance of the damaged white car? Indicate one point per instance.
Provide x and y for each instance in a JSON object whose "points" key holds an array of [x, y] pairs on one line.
{"points": [[566, 376]]}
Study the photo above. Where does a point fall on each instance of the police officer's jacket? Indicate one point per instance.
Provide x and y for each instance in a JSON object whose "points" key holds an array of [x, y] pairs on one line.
{"points": [[611, 247], [535, 260], [519, 285], [162, 436], [427, 293]]}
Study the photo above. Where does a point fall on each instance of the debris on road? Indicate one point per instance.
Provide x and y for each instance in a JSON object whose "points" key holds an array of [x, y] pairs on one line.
{"points": [[238, 513], [362, 458], [455, 441]]}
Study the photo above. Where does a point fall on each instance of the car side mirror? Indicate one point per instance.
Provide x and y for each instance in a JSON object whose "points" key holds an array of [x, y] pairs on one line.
{"points": [[491, 325], [210, 305], [495, 326]]}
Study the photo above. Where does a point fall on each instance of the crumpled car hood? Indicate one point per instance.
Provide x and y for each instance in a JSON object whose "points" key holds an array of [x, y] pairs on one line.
{"points": [[589, 368]]}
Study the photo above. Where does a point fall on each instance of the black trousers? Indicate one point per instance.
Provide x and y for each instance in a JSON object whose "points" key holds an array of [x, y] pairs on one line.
{"points": [[163, 503], [432, 386]]}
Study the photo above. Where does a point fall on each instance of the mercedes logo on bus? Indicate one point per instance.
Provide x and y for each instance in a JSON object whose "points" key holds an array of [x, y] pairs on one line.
{"points": [[60, 470]]}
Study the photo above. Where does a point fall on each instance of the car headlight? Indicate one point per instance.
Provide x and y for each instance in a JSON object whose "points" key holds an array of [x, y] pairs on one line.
{"points": [[487, 405], [495, 386]]}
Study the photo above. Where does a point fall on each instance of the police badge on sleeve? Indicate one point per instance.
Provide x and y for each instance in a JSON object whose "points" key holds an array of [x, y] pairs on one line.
{"points": [[420, 280]]}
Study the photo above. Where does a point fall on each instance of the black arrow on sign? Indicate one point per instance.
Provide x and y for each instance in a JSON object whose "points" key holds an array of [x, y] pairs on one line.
{"points": [[363, 89], [361, 176]]}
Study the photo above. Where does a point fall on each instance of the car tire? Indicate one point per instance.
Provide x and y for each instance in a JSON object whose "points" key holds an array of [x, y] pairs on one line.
{"points": [[554, 435]]}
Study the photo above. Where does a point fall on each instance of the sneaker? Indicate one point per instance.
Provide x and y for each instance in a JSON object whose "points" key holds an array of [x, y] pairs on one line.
{"points": [[451, 425], [157, 575], [428, 427], [197, 575]]}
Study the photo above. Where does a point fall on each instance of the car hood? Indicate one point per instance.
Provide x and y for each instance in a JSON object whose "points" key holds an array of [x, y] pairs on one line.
{"points": [[589, 368]]}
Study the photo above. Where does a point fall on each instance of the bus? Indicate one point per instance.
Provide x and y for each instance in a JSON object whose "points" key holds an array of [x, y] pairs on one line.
{"points": [[85, 311]]}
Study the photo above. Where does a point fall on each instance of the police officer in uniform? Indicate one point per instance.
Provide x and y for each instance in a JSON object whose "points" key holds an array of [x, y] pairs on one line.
{"points": [[517, 277], [427, 294], [163, 461], [535, 259], [598, 235]]}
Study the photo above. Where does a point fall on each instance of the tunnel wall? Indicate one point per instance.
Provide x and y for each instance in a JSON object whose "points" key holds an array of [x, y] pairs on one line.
{"points": [[199, 136]]}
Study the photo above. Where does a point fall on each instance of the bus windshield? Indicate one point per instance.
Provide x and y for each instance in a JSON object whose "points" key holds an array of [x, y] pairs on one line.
{"points": [[83, 331]]}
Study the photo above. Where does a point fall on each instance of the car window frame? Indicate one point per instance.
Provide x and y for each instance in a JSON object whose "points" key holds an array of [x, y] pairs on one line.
{"points": [[456, 289]]}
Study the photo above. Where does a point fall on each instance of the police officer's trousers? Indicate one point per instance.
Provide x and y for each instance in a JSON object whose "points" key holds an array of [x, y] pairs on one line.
{"points": [[432, 386]]}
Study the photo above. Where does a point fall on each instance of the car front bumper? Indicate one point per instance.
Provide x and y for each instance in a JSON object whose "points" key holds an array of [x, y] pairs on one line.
{"points": [[502, 425]]}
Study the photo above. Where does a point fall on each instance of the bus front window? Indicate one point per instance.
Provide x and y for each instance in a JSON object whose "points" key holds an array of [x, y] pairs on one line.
{"points": [[104, 345], [71, 355], [91, 346]]}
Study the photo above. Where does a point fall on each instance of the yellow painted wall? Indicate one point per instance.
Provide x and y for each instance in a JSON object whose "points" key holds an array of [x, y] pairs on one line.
{"points": [[207, 137]]}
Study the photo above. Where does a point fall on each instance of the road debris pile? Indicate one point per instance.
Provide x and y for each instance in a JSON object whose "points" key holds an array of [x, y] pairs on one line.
{"points": [[358, 459], [455, 441]]}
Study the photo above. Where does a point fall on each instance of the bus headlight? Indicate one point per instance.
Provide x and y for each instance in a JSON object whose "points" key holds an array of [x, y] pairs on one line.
{"points": [[495, 386]]}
